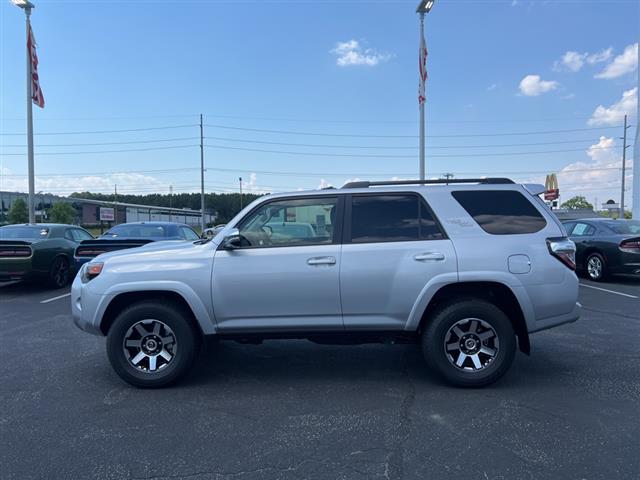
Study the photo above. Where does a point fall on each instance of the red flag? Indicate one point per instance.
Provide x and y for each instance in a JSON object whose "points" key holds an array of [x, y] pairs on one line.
{"points": [[422, 61], [36, 92]]}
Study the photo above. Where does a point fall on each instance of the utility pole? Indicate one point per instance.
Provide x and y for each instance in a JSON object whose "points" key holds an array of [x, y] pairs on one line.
{"points": [[624, 161], [636, 157], [240, 179], [201, 174], [115, 204], [448, 176], [170, 202], [422, 102]]}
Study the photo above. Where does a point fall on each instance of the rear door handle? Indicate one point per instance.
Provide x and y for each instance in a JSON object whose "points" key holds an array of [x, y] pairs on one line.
{"points": [[322, 261], [429, 257]]}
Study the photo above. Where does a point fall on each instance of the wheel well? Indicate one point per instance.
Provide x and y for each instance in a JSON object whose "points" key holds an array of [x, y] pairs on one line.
{"points": [[496, 293], [123, 300]]}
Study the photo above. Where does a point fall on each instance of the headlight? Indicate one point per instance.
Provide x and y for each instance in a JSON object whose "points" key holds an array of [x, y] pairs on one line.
{"points": [[91, 270]]}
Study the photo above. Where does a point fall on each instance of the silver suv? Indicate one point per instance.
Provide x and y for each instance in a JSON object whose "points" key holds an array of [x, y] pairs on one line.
{"points": [[466, 268]]}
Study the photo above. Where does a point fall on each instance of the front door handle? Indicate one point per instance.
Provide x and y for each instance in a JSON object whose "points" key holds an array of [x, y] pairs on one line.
{"points": [[429, 257], [322, 261]]}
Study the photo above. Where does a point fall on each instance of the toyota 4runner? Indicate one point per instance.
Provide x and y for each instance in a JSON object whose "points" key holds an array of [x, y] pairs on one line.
{"points": [[466, 268]]}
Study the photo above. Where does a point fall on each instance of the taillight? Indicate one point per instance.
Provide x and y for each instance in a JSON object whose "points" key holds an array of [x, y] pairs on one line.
{"points": [[564, 250], [631, 245], [15, 252]]}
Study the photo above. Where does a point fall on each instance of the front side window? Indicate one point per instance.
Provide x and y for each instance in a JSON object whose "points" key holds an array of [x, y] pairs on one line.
{"points": [[188, 234], [501, 212], [291, 222], [583, 230], [391, 218]]}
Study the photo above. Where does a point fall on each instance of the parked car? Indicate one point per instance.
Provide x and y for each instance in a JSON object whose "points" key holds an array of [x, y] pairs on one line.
{"points": [[606, 246], [131, 235], [213, 231], [467, 269], [42, 252]]}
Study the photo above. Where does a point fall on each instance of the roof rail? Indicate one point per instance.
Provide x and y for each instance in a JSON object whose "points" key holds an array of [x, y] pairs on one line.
{"points": [[440, 181]]}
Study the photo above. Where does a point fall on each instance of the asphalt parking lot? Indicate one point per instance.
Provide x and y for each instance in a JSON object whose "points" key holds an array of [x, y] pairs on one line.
{"points": [[296, 410]]}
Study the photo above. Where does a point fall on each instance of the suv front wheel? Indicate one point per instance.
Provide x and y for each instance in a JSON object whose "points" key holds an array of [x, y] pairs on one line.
{"points": [[152, 344], [470, 343]]}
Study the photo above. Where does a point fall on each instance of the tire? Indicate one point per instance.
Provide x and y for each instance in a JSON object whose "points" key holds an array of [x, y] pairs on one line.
{"points": [[152, 344], [484, 332], [595, 267], [59, 272]]}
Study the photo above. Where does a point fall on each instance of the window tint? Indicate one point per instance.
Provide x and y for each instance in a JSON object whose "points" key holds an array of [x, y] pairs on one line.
{"points": [[391, 218], [291, 222], [583, 230], [137, 231], [501, 212], [188, 234], [80, 235], [68, 234]]}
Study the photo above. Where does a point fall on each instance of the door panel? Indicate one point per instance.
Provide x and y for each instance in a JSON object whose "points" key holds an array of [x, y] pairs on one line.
{"points": [[380, 282], [281, 288]]}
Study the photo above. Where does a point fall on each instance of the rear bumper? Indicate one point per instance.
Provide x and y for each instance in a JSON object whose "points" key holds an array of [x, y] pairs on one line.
{"points": [[550, 322], [15, 268]]}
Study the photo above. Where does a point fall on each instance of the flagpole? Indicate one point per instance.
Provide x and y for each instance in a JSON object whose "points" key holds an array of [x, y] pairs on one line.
{"points": [[32, 216], [422, 142]]}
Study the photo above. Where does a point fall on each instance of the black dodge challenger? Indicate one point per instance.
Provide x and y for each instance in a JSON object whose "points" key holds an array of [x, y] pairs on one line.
{"points": [[606, 246]]}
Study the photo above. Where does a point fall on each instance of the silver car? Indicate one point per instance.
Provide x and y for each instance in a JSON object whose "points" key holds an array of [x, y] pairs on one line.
{"points": [[465, 268]]}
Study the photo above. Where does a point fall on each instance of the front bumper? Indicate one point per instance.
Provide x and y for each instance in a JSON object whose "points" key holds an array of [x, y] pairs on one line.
{"points": [[87, 308]]}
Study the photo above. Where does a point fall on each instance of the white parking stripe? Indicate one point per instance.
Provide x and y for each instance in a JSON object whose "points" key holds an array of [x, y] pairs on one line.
{"points": [[55, 298], [608, 291]]}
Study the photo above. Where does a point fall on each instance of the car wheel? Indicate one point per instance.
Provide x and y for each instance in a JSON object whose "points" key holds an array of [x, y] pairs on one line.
{"points": [[152, 344], [596, 267], [59, 272], [470, 343]]}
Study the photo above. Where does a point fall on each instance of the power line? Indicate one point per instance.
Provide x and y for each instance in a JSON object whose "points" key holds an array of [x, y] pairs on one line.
{"points": [[102, 151], [148, 129], [363, 155], [107, 143], [350, 135]]}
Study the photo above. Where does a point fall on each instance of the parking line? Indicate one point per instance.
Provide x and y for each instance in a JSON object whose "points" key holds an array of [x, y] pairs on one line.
{"points": [[608, 291], [55, 298]]}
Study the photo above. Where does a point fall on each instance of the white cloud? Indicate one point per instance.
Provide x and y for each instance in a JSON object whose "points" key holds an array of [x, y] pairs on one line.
{"points": [[492, 87], [324, 184], [598, 177], [352, 53], [574, 61], [614, 114], [601, 56], [624, 63], [533, 85], [128, 183]]}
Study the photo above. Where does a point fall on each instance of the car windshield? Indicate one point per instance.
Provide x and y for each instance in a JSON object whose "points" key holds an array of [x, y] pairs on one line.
{"points": [[137, 231], [24, 232], [624, 227]]}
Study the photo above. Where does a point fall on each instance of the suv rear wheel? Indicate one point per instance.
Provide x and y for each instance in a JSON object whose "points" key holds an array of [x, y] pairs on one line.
{"points": [[470, 343], [152, 344]]}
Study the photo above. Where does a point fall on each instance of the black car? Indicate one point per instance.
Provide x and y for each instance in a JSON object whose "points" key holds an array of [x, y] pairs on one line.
{"points": [[131, 235], [606, 246]]}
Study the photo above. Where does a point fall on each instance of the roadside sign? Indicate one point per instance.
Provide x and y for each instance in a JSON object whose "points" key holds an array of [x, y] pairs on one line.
{"points": [[552, 191], [107, 214]]}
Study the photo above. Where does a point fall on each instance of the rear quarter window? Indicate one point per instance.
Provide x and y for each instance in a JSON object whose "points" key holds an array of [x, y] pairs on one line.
{"points": [[501, 212]]}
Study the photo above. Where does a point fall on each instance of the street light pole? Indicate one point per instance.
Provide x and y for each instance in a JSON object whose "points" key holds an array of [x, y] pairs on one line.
{"points": [[422, 127], [27, 7], [636, 157], [202, 222], [624, 166], [424, 7]]}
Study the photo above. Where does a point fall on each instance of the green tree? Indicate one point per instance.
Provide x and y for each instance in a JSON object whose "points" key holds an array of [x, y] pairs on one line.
{"points": [[577, 203], [62, 212], [18, 213]]}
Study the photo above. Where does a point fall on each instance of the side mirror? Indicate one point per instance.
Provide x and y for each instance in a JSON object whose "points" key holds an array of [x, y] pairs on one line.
{"points": [[232, 240]]}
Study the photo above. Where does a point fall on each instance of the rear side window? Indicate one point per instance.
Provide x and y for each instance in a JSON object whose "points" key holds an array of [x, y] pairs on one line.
{"points": [[501, 212], [391, 218]]}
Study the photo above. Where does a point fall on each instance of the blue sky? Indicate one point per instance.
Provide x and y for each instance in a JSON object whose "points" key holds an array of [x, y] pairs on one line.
{"points": [[334, 68]]}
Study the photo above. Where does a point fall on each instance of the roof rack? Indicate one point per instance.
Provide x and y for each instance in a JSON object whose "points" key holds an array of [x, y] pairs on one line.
{"points": [[440, 181]]}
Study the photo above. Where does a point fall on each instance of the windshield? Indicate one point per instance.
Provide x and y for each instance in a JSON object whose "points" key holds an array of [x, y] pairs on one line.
{"points": [[624, 227], [137, 231], [24, 232]]}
